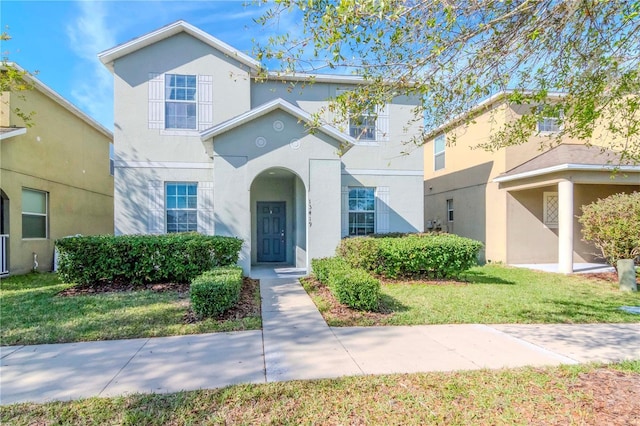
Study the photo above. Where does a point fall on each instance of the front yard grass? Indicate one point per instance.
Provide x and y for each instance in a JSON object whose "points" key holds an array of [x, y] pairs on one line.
{"points": [[32, 312], [585, 394], [491, 294]]}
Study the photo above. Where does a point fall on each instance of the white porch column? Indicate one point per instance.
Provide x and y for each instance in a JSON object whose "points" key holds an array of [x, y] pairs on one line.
{"points": [[565, 226]]}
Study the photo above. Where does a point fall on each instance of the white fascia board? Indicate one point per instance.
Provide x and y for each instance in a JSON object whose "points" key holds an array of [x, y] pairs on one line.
{"points": [[109, 56], [318, 78], [567, 167], [16, 132], [267, 108], [382, 172], [63, 102], [484, 105]]}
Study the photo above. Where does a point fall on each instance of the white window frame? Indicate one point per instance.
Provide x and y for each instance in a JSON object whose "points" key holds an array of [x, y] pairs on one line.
{"points": [[185, 209], [550, 125], [358, 211], [437, 154], [45, 214], [361, 132], [450, 210], [194, 101], [549, 210]]}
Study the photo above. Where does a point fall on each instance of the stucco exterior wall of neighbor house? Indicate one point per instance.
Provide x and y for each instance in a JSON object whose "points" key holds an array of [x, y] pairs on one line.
{"points": [[65, 156], [255, 147], [480, 207]]}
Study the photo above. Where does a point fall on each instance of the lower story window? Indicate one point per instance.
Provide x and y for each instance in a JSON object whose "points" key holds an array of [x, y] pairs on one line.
{"points": [[450, 209], [362, 212], [181, 207], [35, 209], [550, 209]]}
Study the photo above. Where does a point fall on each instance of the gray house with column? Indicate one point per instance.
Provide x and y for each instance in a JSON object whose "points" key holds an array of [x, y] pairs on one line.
{"points": [[203, 143]]}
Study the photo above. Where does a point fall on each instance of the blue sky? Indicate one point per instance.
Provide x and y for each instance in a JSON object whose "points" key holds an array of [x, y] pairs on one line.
{"points": [[61, 39]]}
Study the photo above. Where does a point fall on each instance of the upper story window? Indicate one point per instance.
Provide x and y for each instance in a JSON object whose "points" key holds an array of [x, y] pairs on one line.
{"points": [[180, 101], [438, 152], [371, 125], [551, 122], [362, 210], [181, 204], [363, 127], [35, 209]]}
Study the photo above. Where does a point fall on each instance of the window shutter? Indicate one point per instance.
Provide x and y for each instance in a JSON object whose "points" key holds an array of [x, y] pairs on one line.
{"points": [[205, 208], [382, 123], [382, 209], [205, 102], [345, 211], [155, 214], [156, 100]]}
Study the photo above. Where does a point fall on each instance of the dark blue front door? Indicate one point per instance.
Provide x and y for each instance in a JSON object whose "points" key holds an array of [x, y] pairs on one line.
{"points": [[271, 231]]}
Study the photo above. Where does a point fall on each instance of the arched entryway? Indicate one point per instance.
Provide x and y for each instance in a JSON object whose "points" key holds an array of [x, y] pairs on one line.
{"points": [[278, 218]]}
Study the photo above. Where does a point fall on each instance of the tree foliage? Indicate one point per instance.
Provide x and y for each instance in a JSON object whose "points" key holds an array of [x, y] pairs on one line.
{"points": [[15, 80], [613, 225], [454, 54]]}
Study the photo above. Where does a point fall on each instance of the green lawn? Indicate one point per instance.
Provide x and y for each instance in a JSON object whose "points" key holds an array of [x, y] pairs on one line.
{"points": [[583, 394], [32, 313], [496, 294]]}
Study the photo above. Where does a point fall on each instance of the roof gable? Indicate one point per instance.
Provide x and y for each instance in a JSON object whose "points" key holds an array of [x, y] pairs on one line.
{"points": [[109, 56], [268, 107]]}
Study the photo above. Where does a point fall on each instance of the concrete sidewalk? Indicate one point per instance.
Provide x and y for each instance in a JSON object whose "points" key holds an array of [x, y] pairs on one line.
{"points": [[295, 343]]}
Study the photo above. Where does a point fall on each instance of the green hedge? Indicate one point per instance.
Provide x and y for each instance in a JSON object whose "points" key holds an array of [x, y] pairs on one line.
{"points": [[215, 291], [143, 258], [352, 286], [435, 255]]}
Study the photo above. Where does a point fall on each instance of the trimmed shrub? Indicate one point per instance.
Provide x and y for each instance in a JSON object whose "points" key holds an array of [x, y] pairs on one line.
{"points": [[143, 258], [436, 255], [352, 286], [613, 225], [215, 291]]}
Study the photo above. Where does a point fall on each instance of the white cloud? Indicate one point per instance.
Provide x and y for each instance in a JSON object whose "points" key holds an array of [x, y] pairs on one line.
{"points": [[90, 33]]}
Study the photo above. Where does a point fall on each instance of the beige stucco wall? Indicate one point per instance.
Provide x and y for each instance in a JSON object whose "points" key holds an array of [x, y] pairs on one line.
{"points": [[66, 157]]}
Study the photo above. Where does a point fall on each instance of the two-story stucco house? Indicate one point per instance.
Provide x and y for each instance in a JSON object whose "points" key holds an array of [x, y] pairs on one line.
{"points": [[55, 177], [521, 201], [202, 145]]}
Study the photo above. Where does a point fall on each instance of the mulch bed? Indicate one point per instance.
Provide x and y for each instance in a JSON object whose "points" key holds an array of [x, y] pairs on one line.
{"points": [[248, 305]]}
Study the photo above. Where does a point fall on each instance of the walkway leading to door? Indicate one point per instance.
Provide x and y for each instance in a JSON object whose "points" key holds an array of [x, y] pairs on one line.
{"points": [[295, 343]]}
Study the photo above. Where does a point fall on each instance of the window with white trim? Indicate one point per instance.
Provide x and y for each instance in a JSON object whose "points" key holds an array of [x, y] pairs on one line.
{"points": [[438, 152], [181, 205], [180, 101], [450, 210], [551, 122], [362, 210], [35, 211], [550, 208], [363, 127]]}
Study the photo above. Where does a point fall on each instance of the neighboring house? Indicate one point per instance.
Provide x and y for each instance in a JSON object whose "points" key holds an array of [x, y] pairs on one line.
{"points": [[203, 144], [54, 177], [520, 201]]}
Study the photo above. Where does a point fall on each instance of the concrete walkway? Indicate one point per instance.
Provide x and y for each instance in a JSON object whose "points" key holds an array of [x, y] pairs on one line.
{"points": [[295, 343]]}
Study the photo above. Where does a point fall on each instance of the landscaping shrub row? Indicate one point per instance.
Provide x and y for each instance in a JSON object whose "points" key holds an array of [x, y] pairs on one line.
{"points": [[435, 255], [352, 286], [215, 291], [143, 258]]}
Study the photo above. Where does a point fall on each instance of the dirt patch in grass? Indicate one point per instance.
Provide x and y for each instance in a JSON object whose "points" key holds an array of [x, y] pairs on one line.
{"points": [[248, 304], [615, 396]]}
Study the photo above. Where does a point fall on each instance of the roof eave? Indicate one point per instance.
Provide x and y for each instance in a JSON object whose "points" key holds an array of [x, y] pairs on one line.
{"points": [[17, 132], [108, 57], [267, 108], [567, 167]]}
